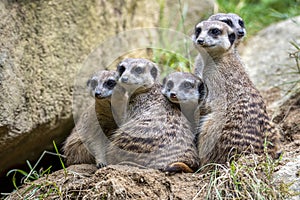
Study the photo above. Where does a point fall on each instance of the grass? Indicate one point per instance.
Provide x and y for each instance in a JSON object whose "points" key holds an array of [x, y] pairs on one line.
{"points": [[295, 86], [169, 60], [34, 174], [250, 177], [258, 14]]}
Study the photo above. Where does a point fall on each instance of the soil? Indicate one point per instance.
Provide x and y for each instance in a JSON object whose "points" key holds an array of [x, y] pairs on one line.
{"points": [[124, 182]]}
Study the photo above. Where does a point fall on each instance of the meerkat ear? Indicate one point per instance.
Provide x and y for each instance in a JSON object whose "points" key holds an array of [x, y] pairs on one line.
{"points": [[88, 82], [164, 81], [120, 69], [154, 72], [231, 38], [202, 90]]}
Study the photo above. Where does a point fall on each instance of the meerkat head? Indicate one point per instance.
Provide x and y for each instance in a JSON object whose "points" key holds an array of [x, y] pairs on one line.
{"points": [[102, 83], [232, 20], [214, 36], [183, 87], [137, 74]]}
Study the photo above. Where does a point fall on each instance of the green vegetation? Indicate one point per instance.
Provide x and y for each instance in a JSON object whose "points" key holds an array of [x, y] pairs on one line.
{"points": [[34, 174], [258, 14], [167, 59], [250, 177]]}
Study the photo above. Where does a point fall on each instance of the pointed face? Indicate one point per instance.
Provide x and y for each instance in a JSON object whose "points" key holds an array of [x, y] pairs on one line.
{"points": [[137, 74], [213, 36], [234, 21], [102, 83], [182, 87]]}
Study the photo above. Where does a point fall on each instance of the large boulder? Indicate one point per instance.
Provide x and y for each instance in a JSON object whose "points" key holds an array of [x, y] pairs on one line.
{"points": [[43, 45], [266, 55]]}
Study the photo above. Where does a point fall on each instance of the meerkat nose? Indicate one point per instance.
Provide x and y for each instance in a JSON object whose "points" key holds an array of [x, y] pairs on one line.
{"points": [[200, 41], [98, 94], [124, 79], [241, 33], [173, 95]]}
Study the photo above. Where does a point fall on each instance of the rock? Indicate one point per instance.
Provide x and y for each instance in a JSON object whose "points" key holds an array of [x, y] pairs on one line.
{"points": [[266, 55], [43, 45], [289, 174]]}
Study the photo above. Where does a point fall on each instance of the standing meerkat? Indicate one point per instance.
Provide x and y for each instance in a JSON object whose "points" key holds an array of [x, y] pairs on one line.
{"points": [[238, 120], [186, 90], [236, 23], [88, 140], [154, 133]]}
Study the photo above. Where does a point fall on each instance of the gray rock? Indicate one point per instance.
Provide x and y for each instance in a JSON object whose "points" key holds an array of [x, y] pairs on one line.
{"points": [[266, 55], [290, 175]]}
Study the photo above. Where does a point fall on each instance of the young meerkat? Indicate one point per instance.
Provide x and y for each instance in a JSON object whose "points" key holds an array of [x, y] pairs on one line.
{"points": [[238, 26], [185, 90], [88, 140], [154, 133], [238, 121]]}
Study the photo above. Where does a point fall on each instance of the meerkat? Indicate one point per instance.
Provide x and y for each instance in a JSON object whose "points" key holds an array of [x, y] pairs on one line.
{"points": [[234, 21], [238, 121], [154, 133], [185, 90], [88, 140], [238, 26]]}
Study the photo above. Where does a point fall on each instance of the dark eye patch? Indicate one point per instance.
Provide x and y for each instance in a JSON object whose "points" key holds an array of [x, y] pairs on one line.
{"points": [[241, 23], [228, 22], [139, 70], [110, 84], [197, 31], [121, 69], [188, 85], [215, 31], [154, 72], [170, 84]]}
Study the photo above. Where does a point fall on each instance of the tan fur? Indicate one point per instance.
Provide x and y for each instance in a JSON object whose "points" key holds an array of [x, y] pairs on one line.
{"points": [[238, 120], [154, 133], [88, 141], [185, 90], [232, 20]]}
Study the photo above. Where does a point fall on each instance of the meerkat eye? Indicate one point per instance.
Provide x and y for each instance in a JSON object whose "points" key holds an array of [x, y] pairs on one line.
{"points": [[93, 83], [139, 70], [188, 85], [121, 69], [215, 31], [241, 23], [197, 31], [110, 84], [170, 84], [228, 22]]}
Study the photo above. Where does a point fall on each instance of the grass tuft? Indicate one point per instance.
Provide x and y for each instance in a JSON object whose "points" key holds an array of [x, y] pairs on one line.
{"points": [[45, 188], [249, 177]]}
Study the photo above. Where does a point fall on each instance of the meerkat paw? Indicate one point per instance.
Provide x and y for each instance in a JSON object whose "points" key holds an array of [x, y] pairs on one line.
{"points": [[177, 167], [100, 165]]}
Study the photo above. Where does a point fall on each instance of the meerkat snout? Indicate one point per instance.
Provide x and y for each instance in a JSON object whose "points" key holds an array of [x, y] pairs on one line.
{"points": [[124, 79], [200, 41], [240, 33]]}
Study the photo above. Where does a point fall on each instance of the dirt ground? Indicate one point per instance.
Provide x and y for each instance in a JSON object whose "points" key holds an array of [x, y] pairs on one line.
{"points": [[123, 182]]}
